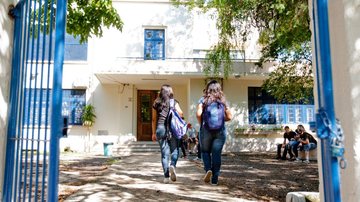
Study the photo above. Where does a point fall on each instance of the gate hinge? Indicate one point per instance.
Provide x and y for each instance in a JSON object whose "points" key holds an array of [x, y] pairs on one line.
{"points": [[15, 11], [323, 124], [11, 12]]}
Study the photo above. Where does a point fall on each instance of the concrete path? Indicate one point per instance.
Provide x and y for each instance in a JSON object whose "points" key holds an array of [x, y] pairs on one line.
{"points": [[140, 178]]}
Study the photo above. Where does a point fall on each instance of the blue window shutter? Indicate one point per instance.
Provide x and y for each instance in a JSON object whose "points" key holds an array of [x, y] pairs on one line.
{"points": [[154, 44]]}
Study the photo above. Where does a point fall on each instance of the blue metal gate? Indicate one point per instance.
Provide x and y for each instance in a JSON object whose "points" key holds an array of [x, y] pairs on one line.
{"points": [[35, 123]]}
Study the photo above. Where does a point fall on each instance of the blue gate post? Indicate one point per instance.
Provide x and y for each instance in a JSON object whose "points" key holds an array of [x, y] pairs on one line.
{"points": [[56, 121], [13, 100], [330, 165]]}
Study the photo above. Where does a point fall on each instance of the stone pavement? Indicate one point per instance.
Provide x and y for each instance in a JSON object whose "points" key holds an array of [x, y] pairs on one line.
{"points": [[139, 178]]}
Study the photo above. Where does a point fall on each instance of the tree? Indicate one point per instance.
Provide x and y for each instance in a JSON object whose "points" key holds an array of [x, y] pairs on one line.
{"points": [[85, 18], [285, 39]]}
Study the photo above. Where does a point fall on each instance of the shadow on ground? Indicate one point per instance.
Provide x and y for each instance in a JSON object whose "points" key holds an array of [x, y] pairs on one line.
{"points": [[245, 177]]}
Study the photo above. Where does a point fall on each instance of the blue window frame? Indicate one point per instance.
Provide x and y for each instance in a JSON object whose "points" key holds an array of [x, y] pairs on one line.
{"points": [[263, 109], [73, 102], [154, 44], [73, 50]]}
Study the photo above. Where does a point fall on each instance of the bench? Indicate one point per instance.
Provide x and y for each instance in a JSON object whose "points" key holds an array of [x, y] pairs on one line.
{"points": [[303, 197], [312, 155]]}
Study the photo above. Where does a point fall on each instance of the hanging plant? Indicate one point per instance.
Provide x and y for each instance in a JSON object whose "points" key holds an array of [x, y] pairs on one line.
{"points": [[88, 116]]}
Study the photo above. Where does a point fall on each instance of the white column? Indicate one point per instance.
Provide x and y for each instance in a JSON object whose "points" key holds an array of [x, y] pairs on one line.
{"points": [[6, 38], [344, 18]]}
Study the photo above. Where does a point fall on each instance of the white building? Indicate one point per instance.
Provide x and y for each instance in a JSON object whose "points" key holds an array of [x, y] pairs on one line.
{"points": [[116, 77], [124, 70]]}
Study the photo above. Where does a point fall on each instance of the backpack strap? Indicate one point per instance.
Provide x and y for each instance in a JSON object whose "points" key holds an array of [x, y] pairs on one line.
{"points": [[167, 120], [172, 103]]}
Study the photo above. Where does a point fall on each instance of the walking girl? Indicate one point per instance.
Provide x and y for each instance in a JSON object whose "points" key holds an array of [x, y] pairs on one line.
{"points": [[169, 146], [212, 112]]}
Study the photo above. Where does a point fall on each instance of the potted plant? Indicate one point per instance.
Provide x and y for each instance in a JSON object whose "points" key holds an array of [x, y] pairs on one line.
{"points": [[88, 119], [88, 115]]}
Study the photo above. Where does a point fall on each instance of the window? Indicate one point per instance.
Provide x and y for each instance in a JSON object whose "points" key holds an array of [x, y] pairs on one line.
{"points": [[257, 98], [73, 50], [72, 105], [263, 109], [291, 114], [154, 47], [310, 114]]}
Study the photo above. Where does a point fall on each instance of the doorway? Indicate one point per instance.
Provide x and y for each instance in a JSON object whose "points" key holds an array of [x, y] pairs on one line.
{"points": [[145, 101]]}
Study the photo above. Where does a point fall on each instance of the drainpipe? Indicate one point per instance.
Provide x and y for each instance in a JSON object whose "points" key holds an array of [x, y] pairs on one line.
{"points": [[325, 118]]}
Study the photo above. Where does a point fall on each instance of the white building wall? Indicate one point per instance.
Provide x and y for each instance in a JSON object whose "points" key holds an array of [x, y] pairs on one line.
{"points": [[344, 18], [6, 38], [130, 42]]}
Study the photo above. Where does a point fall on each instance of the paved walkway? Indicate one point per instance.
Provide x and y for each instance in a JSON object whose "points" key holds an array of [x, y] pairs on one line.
{"points": [[140, 178]]}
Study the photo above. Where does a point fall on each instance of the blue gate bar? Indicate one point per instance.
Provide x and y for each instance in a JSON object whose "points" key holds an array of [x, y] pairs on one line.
{"points": [[25, 52], [47, 100], [28, 92], [35, 52], [56, 121], [32, 19], [41, 105], [330, 165], [18, 161], [13, 110], [43, 48]]}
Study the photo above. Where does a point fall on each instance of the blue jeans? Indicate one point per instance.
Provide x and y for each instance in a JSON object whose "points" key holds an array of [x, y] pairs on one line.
{"points": [[167, 147], [308, 147], [211, 147], [294, 146]]}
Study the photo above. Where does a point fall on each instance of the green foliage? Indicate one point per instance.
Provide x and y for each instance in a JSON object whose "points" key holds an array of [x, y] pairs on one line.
{"points": [[85, 18], [291, 83], [88, 116], [284, 36]]}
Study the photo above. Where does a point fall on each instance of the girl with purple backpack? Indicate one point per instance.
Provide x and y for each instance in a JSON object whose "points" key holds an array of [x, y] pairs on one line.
{"points": [[212, 111], [169, 145]]}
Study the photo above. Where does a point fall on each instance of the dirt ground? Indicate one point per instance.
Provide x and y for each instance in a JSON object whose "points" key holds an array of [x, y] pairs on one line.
{"points": [[247, 176]]}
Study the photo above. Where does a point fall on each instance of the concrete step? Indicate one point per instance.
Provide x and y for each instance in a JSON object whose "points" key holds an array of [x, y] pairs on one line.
{"points": [[137, 147]]}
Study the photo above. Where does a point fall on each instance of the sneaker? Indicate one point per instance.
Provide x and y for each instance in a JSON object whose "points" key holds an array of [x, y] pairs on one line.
{"points": [[172, 173], [214, 184], [214, 180], [207, 176], [297, 160], [197, 159], [166, 180], [292, 158], [306, 161]]}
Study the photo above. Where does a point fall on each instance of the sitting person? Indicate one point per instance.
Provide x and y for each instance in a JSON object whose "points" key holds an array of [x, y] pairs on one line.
{"points": [[192, 139], [306, 143], [289, 136]]}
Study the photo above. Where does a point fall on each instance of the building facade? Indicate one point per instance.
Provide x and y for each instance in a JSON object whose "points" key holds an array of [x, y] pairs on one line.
{"points": [[121, 73]]}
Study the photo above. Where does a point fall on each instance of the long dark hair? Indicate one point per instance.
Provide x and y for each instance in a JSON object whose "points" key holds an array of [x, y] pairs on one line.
{"points": [[213, 93], [162, 101]]}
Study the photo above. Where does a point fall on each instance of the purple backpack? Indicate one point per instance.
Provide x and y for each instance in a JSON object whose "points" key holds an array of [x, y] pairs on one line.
{"points": [[214, 116], [177, 125]]}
